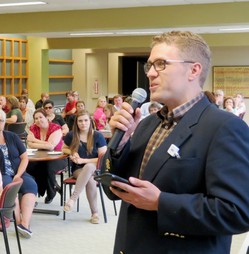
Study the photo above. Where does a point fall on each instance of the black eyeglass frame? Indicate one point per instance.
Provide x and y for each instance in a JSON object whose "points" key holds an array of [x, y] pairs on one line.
{"points": [[148, 65]]}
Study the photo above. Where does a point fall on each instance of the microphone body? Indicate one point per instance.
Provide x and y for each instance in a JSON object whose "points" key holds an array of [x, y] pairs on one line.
{"points": [[139, 95]]}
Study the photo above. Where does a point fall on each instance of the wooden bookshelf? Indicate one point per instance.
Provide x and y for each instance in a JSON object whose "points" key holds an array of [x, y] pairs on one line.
{"points": [[13, 66]]}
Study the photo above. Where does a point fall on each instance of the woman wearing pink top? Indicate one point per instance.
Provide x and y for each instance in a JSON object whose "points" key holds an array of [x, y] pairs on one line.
{"points": [[45, 135], [99, 115]]}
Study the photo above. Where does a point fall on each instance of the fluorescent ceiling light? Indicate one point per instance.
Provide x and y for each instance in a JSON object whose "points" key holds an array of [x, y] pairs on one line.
{"points": [[234, 29], [21, 4], [92, 34], [138, 33]]}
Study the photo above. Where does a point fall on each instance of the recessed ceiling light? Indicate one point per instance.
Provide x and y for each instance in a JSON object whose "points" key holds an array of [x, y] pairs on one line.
{"points": [[21, 4]]}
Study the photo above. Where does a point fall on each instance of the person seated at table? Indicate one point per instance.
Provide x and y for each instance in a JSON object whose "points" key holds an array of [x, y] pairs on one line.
{"points": [[13, 163], [14, 115], [109, 111], [48, 106], [99, 115], [229, 105], [3, 104], [70, 107], [30, 103], [27, 113], [45, 135], [44, 97], [154, 107], [84, 145], [240, 105], [80, 105], [117, 100]]}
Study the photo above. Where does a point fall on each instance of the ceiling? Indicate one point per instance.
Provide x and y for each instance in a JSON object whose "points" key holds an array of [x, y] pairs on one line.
{"points": [[76, 5]]}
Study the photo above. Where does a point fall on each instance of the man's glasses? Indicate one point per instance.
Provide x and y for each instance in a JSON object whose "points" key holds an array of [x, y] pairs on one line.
{"points": [[1, 121], [48, 107], [160, 65]]}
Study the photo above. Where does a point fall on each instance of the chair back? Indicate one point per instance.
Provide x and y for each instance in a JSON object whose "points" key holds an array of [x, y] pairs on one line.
{"points": [[18, 128], [8, 197]]}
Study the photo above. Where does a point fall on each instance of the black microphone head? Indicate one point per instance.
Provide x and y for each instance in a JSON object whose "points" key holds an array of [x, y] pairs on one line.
{"points": [[139, 95]]}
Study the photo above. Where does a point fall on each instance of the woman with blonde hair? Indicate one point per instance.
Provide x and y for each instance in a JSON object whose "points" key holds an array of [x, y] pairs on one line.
{"points": [[84, 145], [99, 115]]}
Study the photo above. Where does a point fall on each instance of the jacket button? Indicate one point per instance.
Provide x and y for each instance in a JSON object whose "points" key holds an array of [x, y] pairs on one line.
{"points": [[121, 252]]}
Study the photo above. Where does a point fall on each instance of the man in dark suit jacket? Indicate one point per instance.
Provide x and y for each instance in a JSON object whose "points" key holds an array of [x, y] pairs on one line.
{"points": [[188, 164]]}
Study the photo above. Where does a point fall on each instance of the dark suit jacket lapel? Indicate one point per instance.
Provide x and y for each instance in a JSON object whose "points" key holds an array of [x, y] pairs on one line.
{"points": [[181, 132]]}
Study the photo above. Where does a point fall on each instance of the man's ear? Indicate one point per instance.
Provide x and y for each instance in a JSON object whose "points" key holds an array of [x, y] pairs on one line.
{"points": [[195, 71]]}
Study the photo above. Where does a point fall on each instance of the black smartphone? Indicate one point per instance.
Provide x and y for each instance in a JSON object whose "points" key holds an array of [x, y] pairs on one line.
{"points": [[106, 179]]}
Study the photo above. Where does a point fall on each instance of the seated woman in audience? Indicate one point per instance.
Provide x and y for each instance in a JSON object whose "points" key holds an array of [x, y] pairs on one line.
{"points": [[13, 163], [48, 106], [84, 146], [47, 136], [27, 113], [99, 115], [14, 115], [240, 105], [109, 111], [229, 105]]}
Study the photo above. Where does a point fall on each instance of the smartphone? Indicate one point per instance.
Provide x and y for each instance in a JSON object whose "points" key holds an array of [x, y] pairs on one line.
{"points": [[106, 179]]}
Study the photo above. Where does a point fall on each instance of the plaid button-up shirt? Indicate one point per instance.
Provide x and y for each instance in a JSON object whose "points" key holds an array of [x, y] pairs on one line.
{"points": [[167, 125]]}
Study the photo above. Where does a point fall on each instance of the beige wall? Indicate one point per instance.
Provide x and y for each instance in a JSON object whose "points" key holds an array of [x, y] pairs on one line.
{"points": [[102, 65], [37, 84]]}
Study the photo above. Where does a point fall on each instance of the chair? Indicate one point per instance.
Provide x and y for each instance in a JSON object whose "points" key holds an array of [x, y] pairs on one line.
{"points": [[19, 129], [70, 181], [7, 214]]}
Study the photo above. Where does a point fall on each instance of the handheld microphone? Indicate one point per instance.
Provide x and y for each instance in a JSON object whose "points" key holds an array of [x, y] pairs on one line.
{"points": [[138, 96]]}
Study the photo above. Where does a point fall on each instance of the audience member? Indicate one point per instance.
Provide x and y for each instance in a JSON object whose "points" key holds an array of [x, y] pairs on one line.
{"points": [[80, 105], [154, 107], [27, 113], [76, 95], [84, 146], [219, 98], [240, 105], [187, 165], [3, 104], [99, 115], [13, 163], [48, 106], [117, 100], [109, 111], [30, 103], [70, 107], [14, 115], [229, 105], [46, 136], [44, 97]]}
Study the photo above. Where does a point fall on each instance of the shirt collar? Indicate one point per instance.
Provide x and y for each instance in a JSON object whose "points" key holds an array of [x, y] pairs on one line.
{"points": [[173, 117]]}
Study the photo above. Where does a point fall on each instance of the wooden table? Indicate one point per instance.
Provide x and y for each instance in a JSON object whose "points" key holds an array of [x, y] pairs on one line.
{"points": [[42, 155]]}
